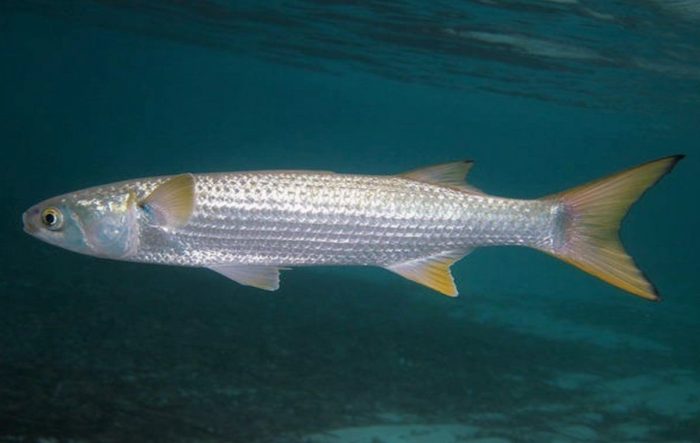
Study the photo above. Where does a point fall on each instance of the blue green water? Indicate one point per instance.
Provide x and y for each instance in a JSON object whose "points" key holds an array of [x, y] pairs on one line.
{"points": [[542, 95]]}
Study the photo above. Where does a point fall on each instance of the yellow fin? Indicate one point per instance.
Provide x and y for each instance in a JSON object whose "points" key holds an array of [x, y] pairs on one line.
{"points": [[172, 202], [452, 174], [591, 221], [433, 271]]}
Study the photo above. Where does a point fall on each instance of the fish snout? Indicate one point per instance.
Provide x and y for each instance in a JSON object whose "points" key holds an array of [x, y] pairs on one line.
{"points": [[28, 221]]}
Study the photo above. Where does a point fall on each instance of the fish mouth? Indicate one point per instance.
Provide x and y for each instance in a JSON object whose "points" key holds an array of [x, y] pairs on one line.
{"points": [[28, 226]]}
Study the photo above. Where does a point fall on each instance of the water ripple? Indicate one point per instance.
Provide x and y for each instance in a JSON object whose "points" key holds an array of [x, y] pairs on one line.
{"points": [[593, 53]]}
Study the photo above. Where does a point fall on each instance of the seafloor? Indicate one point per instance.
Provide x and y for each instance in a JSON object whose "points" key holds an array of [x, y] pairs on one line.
{"points": [[171, 355]]}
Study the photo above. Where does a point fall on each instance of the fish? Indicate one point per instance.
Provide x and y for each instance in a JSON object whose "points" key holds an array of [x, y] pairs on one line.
{"points": [[249, 226]]}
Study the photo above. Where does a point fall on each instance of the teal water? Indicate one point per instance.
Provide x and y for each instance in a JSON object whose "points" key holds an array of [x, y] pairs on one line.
{"points": [[543, 95]]}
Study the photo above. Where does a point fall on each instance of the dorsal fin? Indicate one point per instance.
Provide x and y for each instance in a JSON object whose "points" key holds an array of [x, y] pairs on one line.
{"points": [[171, 204], [453, 174], [432, 271]]}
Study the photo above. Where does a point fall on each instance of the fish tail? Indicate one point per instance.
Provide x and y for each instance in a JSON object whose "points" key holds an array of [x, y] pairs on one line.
{"points": [[591, 218]]}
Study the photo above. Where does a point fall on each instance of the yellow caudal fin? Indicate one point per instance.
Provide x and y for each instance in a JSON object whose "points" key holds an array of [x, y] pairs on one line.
{"points": [[593, 213]]}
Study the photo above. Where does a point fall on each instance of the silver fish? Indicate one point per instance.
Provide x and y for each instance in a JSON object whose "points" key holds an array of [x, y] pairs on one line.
{"points": [[250, 225]]}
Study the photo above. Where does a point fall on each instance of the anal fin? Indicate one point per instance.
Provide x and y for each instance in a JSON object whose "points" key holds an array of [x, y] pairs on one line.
{"points": [[262, 277], [432, 271]]}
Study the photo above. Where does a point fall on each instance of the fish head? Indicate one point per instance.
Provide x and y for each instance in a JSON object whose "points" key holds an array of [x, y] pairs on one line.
{"points": [[92, 222]]}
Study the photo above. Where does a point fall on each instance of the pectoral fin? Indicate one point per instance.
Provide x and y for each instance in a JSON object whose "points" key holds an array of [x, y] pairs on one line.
{"points": [[433, 271], [171, 203], [263, 277]]}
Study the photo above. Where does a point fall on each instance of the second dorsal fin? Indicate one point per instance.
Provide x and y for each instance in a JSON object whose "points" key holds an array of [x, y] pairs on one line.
{"points": [[453, 174]]}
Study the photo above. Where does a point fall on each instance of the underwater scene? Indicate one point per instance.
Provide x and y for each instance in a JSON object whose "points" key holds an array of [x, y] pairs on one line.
{"points": [[530, 98]]}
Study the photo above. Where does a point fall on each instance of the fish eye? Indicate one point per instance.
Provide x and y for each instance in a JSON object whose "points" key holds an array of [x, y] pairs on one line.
{"points": [[52, 218]]}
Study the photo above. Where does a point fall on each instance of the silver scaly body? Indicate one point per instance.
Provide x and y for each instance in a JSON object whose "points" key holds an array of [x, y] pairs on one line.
{"points": [[311, 218]]}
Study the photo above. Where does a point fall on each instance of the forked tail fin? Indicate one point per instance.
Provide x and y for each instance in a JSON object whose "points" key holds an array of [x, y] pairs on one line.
{"points": [[593, 213]]}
